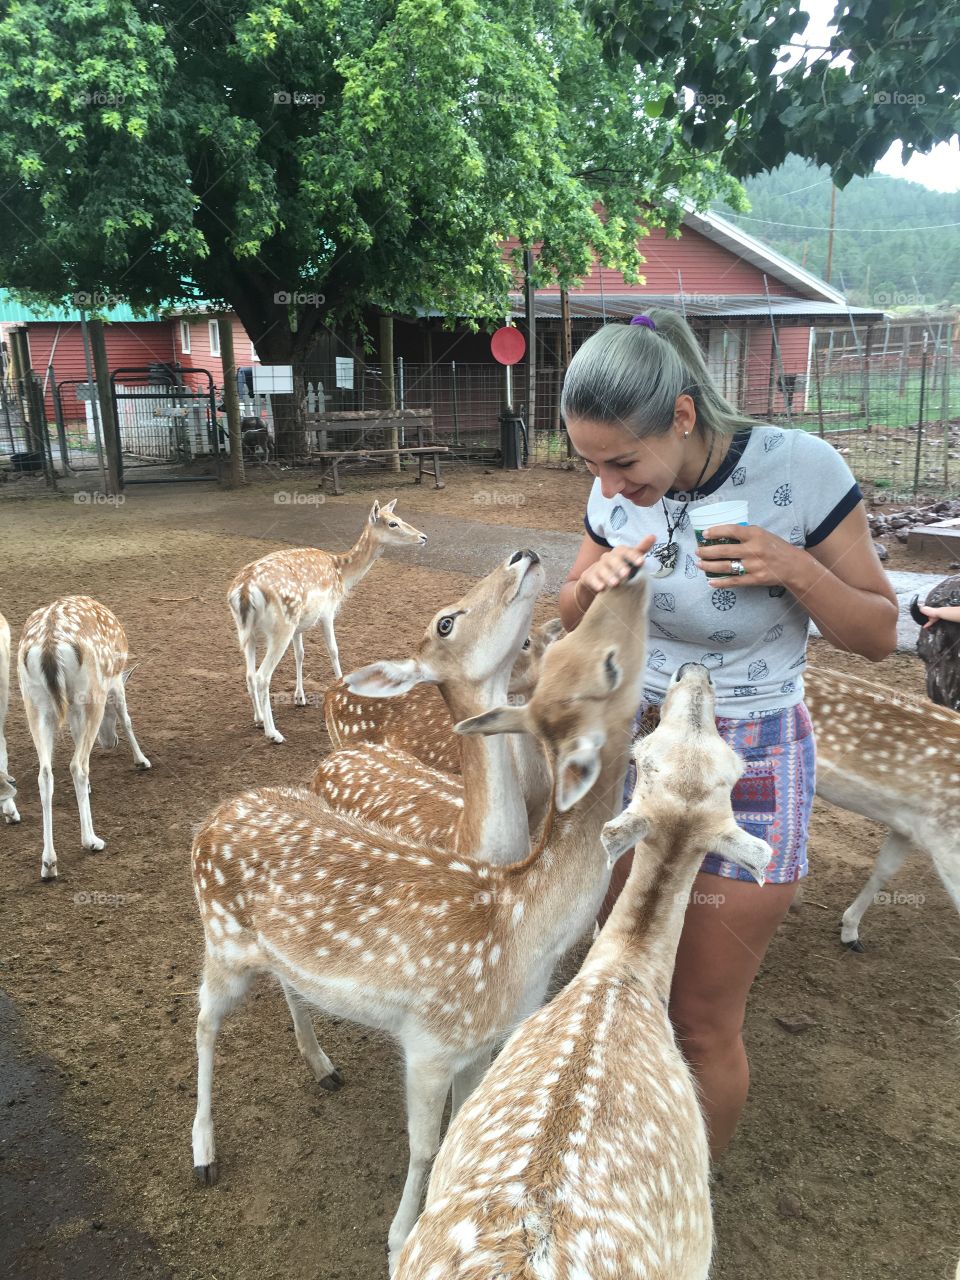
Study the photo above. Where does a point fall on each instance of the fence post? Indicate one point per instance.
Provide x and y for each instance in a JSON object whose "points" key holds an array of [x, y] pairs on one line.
{"points": [[945, 403], [923, 388], [94, 400], [61, 429], [456, 407], [867, 351], [816, 376], [389, 387]]}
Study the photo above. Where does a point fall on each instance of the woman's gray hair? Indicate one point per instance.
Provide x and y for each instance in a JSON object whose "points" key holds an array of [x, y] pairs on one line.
{"points": [[630, 376]]}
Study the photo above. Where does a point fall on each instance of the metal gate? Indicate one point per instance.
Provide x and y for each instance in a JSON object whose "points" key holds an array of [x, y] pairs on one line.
{"points": [[166, 417]]}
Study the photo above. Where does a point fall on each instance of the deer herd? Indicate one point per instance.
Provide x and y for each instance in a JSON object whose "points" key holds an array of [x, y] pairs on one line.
{"points": [[455, 843]]}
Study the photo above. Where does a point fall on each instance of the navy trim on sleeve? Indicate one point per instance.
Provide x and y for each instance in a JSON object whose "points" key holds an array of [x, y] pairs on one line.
{"points": [[840, 512], [595, 536]]}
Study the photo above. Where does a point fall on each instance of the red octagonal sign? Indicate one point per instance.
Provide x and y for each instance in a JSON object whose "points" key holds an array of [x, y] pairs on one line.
{"points": [[508, 345]]}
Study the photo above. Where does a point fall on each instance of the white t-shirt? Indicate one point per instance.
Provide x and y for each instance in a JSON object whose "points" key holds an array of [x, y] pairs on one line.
{"points": [[753, 639]]}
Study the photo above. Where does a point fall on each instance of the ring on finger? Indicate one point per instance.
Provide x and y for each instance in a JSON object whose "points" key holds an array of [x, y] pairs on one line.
{"points": [[737, 568]]}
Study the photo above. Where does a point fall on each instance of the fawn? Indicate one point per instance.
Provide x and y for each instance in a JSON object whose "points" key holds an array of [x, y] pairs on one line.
{"points": [[583, 1152], [276, 598], [72, 666]]}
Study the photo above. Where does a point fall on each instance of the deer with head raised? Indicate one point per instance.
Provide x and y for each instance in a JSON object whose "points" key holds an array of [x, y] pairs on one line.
{"points": [[418, 722], [275, 599], [7, 789], [445, 952], [895, 760], [583, 1152], [72, 666], [467, 652]]}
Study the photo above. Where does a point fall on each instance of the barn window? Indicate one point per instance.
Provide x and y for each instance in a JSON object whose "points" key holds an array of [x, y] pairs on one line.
{"points": [[214, 337], [185, 337]]}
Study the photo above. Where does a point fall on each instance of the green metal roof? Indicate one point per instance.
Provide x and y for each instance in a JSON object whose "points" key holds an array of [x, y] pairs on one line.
{"points": [[14, 312]]}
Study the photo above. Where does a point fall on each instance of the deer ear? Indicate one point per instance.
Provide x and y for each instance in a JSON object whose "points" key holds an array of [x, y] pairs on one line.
{"points": [[553, 630], [388, 679], [390, 505], [375, 511], [500, 720], [623, 833], [578, 767], [749, 852]]}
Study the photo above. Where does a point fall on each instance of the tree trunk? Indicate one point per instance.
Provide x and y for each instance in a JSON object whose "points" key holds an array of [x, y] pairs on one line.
{"points": [[111, 436], [231, 400]]}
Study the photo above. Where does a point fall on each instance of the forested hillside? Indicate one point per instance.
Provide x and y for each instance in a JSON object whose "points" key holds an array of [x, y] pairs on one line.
{"points": [[894, 243]]}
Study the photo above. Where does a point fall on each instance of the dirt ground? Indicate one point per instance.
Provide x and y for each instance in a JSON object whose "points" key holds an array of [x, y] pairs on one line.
{"points": [[847, 1164]]}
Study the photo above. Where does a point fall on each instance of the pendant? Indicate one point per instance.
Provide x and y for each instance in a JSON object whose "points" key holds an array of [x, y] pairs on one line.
{"points": [[668, 553]]}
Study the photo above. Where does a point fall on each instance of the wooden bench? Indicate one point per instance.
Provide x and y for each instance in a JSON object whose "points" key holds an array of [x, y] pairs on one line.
{"points": [[363, 423]]}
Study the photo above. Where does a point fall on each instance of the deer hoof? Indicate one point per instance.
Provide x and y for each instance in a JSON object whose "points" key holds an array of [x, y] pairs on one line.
{"points": [[855, 945], [332, 1082], [207, 1173], [300, 700], [276, 736], [95, 845], [48, 875], [144, 764]]}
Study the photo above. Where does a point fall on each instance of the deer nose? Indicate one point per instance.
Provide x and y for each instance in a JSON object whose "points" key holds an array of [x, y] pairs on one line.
{"points": [[694, 668], [518, 556]]}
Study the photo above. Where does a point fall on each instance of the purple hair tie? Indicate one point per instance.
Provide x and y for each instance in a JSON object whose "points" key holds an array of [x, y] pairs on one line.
{"points": [[644, 320]]}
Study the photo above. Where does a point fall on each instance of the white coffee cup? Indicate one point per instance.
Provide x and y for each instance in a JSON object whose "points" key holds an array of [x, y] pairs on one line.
{"points": [[711, 514]]}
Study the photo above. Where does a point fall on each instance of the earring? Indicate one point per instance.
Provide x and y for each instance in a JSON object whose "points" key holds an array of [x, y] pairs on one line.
{"points": [[686, 434]]}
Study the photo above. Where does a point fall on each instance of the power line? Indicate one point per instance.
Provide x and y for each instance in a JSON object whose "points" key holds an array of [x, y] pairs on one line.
{"points": [[803, 226]]}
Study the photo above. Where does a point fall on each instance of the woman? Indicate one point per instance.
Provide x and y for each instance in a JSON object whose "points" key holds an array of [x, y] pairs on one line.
{"points": [[642, 412]]}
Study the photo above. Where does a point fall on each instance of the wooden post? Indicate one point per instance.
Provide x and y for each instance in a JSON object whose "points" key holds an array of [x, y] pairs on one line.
{"points": [[867, 347], [389, 385], [566, 349], [111, 436], [231, 399], [28, 415], [833, 221], [945, 403], [530, 303], [816, 375]]}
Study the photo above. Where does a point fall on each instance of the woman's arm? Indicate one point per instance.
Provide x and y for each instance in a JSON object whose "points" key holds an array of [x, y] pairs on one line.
{"points": [[839, 582], [594, 570]]}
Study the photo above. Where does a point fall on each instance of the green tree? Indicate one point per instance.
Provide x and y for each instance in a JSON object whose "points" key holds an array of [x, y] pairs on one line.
{"points": [[357, 152], [891, 72]]}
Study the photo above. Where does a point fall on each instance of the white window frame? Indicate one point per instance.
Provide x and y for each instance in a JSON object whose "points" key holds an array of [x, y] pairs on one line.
{"points": [[185, 337], [214, 333]]}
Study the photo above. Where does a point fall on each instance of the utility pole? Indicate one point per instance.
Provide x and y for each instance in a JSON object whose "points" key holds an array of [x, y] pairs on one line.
{"points": [[833, 221]]}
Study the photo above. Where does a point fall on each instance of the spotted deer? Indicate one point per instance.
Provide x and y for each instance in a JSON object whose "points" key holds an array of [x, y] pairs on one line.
{"points": [[583, 1152], [467, 653], [418, 722], [275, 599], [7, 789], [895, 760], [72, 666], [444, 952]]}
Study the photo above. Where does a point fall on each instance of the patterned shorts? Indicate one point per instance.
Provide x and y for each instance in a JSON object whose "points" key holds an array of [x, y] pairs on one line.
{"points": [[774, 797]]}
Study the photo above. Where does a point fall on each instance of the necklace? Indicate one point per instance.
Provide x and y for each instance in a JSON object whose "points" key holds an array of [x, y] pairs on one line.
{"points": [[668, 553]]}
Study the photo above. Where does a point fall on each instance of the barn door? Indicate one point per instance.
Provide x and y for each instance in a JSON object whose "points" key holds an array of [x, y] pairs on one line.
{"points": [[725, 360]]}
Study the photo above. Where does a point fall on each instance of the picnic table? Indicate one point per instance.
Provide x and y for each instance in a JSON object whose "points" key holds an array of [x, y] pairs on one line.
{"points": [[365, 433]]}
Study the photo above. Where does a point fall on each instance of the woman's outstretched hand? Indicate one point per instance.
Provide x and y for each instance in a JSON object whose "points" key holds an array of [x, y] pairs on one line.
{"points": [[614, 565]]}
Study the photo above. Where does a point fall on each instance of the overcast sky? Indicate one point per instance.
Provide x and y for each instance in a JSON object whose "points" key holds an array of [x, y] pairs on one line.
{"points": [[940, 169]]}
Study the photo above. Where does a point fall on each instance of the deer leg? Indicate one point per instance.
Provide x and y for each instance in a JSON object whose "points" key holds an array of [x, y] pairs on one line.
{"points": [[299, 697], [8, 808], [318, 1062], [331, 639], [220, 992], [84, 721], [889, 860], [139, 759], [467, 1079], [43, 729], [249, 646], [428, 1081], [276, 647]]}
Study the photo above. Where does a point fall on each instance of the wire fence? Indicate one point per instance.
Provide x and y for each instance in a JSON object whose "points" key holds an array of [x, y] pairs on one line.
{"points": [[887, 399]]}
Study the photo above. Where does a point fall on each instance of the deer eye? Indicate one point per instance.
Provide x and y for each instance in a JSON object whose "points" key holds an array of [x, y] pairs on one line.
{"points": [[526, 643], [445, 625], [393, 524]]}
